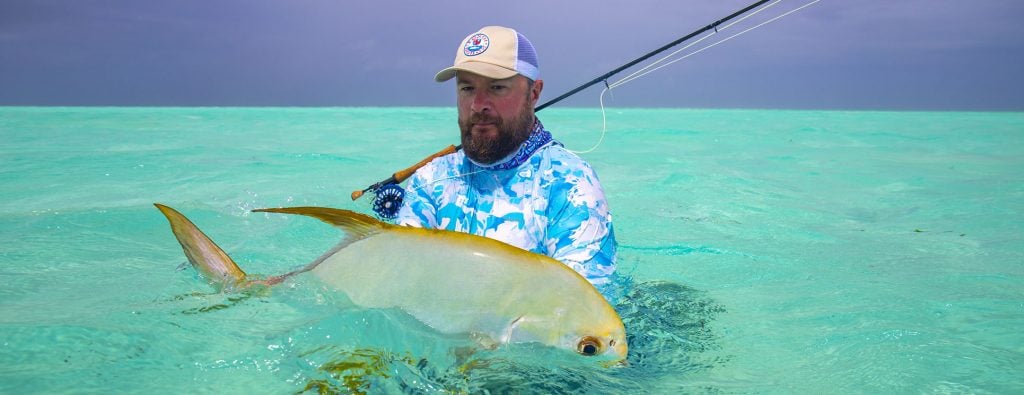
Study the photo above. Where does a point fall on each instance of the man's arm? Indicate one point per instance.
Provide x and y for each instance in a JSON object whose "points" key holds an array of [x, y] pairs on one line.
{"points": [[580, 232], [417, 207]]}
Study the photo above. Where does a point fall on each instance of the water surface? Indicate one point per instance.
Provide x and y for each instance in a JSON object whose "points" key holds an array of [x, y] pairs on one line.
{"points": [[768, 251]]}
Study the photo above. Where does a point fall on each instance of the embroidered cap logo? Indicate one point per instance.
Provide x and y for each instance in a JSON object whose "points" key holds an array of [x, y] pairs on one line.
{"points": [[476, 44]]}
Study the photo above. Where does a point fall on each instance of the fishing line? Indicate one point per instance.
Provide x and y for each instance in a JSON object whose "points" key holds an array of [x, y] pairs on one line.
{"points": [[654, 66], [450, 178], [642, 72], [390, 196]]}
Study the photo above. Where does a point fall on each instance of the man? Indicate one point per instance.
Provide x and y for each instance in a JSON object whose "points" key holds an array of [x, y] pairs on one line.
{"points": [[511, 181]]}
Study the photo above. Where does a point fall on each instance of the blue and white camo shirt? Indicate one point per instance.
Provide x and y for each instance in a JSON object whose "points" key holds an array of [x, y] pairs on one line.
{"points": [[551, 204]]}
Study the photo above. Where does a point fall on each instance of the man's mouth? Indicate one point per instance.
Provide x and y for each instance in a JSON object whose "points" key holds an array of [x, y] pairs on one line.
{"points": [[481, 127]]}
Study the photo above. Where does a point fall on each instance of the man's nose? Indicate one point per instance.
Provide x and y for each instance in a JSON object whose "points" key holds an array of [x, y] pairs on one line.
{"points": [[481, 101]]}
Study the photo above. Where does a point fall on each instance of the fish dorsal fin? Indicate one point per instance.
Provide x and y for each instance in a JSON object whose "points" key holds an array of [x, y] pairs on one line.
{"points": [[355, 225]]}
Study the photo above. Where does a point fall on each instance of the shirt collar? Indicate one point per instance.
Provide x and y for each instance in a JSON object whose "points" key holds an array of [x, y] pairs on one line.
{"points": [[539, 138]]}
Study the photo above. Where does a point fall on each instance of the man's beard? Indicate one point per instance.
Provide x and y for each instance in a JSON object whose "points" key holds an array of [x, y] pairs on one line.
{"points": [[487, 150]]}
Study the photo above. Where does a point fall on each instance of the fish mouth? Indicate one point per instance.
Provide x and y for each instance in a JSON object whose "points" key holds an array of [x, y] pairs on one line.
{"points": [[621, 351], [614, 357], [617, 352]]}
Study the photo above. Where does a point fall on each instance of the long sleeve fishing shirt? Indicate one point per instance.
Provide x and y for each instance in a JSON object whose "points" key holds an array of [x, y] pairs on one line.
{"points": [[543, 198]]}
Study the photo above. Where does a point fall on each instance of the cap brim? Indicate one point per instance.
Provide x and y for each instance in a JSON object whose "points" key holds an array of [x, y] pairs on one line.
{"points": [[485, 69]]}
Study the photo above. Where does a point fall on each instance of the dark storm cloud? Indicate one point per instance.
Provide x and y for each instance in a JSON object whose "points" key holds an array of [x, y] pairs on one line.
{"points": [[868, 54]]}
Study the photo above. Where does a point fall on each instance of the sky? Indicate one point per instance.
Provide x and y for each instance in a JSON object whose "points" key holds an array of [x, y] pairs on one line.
{"points": [[933, 55]]}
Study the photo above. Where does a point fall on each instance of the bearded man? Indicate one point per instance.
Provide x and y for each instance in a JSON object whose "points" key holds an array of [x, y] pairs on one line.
{"points": [[511, 181]]}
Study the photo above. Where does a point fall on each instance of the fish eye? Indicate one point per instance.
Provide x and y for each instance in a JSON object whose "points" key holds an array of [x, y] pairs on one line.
{"points": [[588, 346]]}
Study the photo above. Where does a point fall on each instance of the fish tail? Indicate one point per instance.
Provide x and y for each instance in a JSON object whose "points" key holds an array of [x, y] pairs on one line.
{"points": [[205, 256]]}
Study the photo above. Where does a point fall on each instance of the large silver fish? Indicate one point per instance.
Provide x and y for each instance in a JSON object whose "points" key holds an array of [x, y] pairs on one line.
{"points": [[453, 282]]}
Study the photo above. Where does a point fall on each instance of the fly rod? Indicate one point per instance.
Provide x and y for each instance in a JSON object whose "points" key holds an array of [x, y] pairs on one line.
{"points": [[401, 175], [713, 25]]}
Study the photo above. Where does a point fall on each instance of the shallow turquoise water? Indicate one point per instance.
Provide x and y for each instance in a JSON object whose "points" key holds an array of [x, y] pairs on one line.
{"points": [[770, 251]]}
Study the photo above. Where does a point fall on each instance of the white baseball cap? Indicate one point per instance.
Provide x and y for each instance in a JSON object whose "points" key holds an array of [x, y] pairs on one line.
{"points": [[494, 52]]}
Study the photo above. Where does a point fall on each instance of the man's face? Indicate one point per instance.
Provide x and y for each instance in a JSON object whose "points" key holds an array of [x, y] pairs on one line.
{"points": [[495, 116]]}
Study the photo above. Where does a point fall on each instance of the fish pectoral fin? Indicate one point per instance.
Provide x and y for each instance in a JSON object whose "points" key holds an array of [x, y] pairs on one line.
{"points": [[506, 337], [205, 256]]}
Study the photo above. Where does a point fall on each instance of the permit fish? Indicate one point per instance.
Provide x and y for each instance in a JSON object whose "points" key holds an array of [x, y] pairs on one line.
{"points": [[454, 282]]}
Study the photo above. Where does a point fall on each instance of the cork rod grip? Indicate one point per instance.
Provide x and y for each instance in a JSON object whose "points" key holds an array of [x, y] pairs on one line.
{"points": [[402, 175]]}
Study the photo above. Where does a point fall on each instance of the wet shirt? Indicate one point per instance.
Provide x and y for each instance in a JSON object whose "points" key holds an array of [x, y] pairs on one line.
{"points": [[543, 199]]}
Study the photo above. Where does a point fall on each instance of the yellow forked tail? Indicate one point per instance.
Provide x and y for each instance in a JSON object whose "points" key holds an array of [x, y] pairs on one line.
{"points": [[204, 255]]}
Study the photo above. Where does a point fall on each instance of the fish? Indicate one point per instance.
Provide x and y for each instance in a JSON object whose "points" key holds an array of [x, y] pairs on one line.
{"points": [[453, 282]]}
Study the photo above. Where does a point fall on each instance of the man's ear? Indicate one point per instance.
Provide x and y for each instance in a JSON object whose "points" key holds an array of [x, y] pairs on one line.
{"points": [[538, 86]]}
